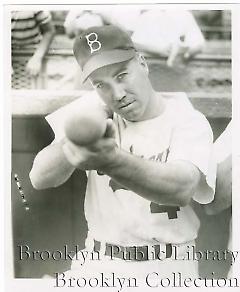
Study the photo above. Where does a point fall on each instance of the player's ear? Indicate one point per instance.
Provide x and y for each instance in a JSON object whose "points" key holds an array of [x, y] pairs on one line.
{"points": [[143, 62]]}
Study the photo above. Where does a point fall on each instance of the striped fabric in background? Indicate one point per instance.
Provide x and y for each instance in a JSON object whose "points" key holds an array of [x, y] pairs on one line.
{"points": [[26, 27]]}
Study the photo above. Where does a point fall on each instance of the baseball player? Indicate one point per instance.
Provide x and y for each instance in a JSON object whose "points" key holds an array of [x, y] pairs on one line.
{"points": [[143, 173]]}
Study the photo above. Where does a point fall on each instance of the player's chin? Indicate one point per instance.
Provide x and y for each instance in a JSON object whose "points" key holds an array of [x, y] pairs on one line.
{"points": [[132, 117], [131, 113]]}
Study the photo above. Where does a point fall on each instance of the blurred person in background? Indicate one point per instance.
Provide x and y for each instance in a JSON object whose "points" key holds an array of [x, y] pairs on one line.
{"points": [[78, 20], [169, 33], [32, 28]]}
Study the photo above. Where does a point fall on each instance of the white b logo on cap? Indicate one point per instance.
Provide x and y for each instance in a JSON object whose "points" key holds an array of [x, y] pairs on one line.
{"points": [[93, 42]]}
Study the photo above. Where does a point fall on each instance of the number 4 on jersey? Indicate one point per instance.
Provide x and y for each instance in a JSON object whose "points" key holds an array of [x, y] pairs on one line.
{"points": [[170, 210]]}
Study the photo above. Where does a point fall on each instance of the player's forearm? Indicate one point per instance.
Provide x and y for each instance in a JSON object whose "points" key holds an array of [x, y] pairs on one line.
{"points": [[170, 183], [50, 168], [44, 45]]}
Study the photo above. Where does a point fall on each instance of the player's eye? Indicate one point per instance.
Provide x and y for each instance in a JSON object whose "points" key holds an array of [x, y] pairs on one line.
{"points": [[122, 75]]}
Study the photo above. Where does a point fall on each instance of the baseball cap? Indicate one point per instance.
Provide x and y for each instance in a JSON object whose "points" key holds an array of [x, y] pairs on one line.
{"points": [[100, 46]]}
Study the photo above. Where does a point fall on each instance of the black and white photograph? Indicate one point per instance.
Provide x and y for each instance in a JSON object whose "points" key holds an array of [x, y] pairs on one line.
{"points": [[123, 118]]}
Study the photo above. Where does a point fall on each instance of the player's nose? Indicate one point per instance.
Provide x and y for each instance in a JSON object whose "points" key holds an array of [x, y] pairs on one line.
{"points": [[118, 92]]}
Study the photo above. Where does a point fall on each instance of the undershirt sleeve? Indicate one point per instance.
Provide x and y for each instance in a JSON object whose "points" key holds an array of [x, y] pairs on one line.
{"points": [[192, 141]]}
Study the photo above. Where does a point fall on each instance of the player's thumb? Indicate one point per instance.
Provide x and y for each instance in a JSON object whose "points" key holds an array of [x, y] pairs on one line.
{"points": [[110, 129]]}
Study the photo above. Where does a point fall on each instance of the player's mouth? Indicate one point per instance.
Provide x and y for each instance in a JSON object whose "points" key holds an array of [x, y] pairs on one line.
{"points": [[126, 105]]}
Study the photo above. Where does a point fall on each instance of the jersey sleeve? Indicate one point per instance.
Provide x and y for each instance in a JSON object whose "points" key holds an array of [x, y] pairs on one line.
{"points": [[192, 140]]}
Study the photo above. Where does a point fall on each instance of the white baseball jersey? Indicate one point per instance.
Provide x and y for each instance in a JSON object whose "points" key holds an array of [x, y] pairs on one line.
{"points": [[118, 215]]}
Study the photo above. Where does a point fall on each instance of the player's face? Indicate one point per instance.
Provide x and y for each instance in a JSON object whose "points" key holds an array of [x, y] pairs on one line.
{"points": [[125, 88]]}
